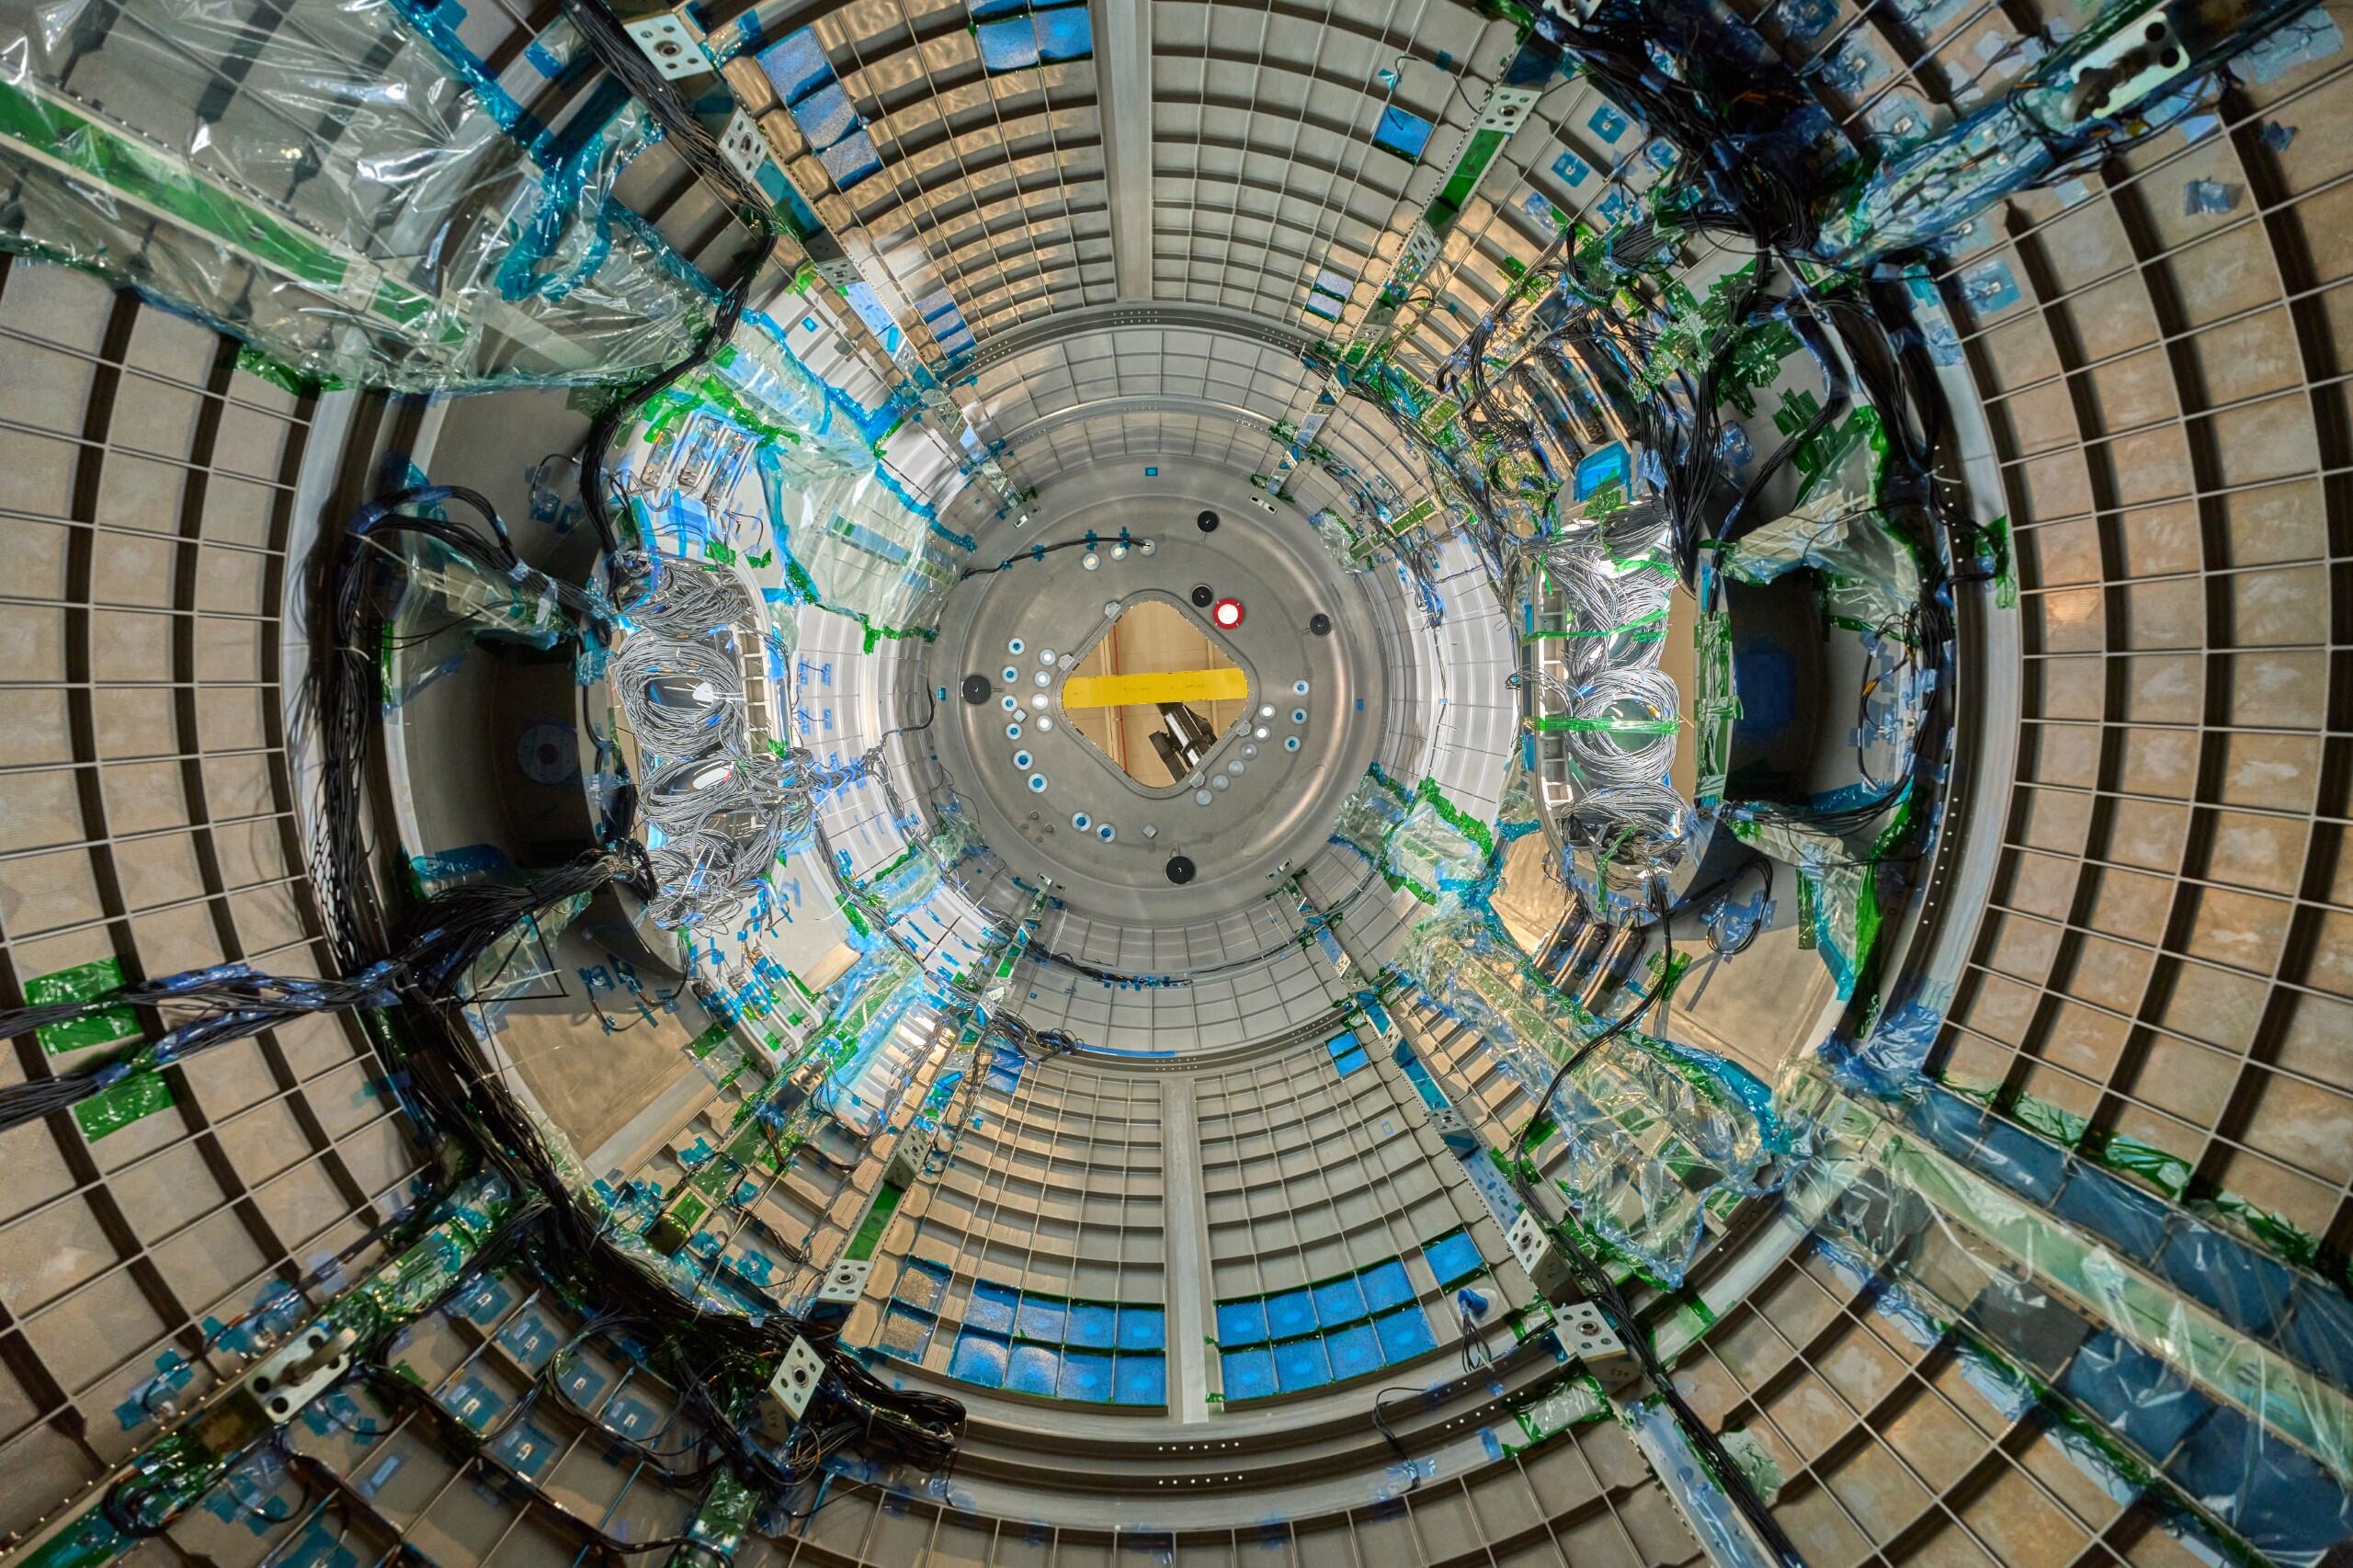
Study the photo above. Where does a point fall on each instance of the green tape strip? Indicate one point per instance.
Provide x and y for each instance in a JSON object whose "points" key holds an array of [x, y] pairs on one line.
{"points": [[81, 983], [111, 1110]]}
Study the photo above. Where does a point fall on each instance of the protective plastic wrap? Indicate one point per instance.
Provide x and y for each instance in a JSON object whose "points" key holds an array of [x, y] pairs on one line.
{"points": [[341, 184], [1658, 1134], [2173, 1364], [447, 603], [757, 461]]}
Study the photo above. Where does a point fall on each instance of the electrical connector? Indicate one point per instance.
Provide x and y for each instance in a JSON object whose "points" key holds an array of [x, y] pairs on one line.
{"points": [[790, 1391]]}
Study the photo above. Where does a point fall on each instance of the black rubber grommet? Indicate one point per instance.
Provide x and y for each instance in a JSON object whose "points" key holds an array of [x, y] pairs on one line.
{"points": [[1206, 522], [1320, 624], [976, 689], [1180, 869], [1203, 595]]}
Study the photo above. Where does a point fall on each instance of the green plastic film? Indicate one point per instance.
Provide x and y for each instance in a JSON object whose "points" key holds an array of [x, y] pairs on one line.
{"points": [[110, 1110], [81, 983]]}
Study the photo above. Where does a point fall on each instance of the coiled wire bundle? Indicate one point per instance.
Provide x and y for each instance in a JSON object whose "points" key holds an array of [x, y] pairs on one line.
{"points": [[685, 603], [681, 698], [724, 817], [1621, 733]]}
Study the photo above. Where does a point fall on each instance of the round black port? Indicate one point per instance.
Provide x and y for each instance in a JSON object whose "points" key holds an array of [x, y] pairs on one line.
{"points": [[1320, 624], [1180, 869], [976, 689], [1206, 522], [1203, 595]]}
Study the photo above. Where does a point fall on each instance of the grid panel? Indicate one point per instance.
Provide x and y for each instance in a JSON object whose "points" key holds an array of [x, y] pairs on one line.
{"points": [[1035, 1251], [148, 828], [2167, 947]]}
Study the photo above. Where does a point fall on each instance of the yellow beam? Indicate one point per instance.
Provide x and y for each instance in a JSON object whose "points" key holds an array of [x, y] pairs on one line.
{"points": [[1145, 687]]}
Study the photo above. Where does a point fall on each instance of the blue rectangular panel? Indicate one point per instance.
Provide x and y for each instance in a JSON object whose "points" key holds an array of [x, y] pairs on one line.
{"points": [[979, 1358], [1402, 133], [1338, 1301], [2019, 1160], [2132, 1221], [1034, 1370], [1143, 1328], [1064, 34], [1293, 1312], [1141, 1380], [1241, 1322], [1249, 1374], [1354, 1351], [1454, 1258], [1300, 1364], [991, 1307], [1087, 1376], [1041, 1318], [796, 63], [2132, 1392], [1093, 1325], [1007, 45], [1386, 1285], [825, 115], [1404, 1334], [851, 159]]}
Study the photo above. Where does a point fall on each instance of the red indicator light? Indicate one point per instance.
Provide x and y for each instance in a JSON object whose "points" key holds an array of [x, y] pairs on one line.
{"points": [[1227, 613]]}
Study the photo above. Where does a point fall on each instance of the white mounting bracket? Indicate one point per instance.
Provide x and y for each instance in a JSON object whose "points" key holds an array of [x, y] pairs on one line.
{"points": [[672, 41], [790, 1391], [1587, 1335], [844, 1285], [300, 1371], [841, 272], [1542, 1258], [1508, 108], [743, 146], [2149, 46]]}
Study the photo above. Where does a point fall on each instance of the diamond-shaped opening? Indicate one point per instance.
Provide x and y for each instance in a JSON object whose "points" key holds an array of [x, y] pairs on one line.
{"points": [[1154, 693]]}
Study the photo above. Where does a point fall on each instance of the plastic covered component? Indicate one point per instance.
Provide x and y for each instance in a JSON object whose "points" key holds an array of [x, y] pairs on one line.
{"points": [[353, 193]]}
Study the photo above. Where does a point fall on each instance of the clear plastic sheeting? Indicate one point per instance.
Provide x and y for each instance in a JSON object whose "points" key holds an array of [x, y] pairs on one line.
{"points": [[447, 604], [342, 185], [1649, 1137], [755, 462], [2196, 1380]]}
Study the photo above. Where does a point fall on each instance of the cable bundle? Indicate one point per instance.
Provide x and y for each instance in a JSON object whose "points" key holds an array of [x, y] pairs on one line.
{"points": [[725, 818], [438, 948], [1615, 748], [684, 603], [680, 698]]}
